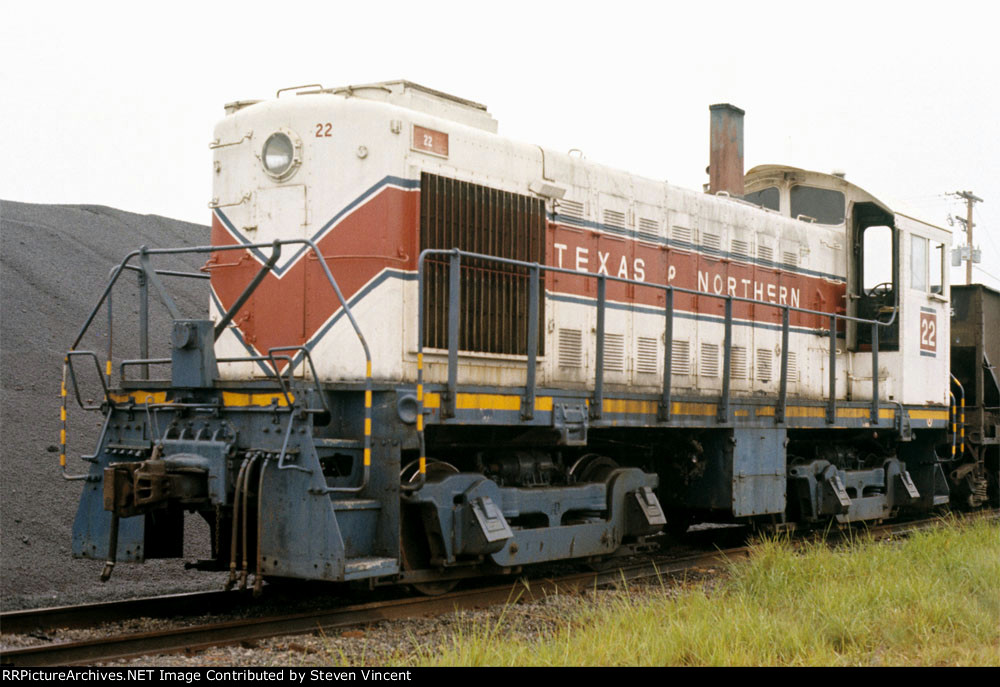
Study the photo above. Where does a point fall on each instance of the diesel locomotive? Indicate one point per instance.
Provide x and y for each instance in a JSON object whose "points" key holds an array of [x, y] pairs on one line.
{"points": [[434, 352]]}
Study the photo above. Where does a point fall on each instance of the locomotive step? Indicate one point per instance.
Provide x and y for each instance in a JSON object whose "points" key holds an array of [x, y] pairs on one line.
{"points": [[356, 504], [369, 566], [321, 442]]}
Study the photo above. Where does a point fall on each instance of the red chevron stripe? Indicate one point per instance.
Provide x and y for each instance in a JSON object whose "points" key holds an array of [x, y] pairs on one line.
{"points": [[289, 311]]}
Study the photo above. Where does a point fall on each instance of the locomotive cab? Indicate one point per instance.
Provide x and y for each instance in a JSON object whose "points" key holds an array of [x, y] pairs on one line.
{"points": [[896, 275]]}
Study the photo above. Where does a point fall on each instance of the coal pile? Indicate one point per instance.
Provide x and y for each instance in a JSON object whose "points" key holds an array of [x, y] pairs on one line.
{"points": [[54, 262]]}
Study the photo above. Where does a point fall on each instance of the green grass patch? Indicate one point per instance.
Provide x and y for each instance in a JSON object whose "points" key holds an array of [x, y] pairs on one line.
{"points": [[932, 598]]}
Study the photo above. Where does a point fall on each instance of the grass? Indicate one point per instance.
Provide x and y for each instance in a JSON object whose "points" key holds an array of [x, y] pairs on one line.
{"points": [[932, 598]]}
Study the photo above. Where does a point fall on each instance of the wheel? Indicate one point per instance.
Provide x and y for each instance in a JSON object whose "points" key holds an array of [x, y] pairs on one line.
{"points": [[592, 467], [414, 546]]}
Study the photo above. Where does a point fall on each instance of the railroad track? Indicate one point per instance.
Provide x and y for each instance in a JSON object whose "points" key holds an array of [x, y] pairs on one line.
{"points": [[199, 637]]}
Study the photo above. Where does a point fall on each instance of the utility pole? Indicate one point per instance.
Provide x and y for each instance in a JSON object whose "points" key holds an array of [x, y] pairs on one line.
{"points": [[969, 198]]}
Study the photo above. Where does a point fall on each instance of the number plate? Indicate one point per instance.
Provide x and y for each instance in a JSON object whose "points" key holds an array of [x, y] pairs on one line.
{"points": [[430, 141], [928, 333]]}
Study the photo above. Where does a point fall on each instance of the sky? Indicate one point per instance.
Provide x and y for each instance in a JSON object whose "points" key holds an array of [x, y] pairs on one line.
{"points": [[114, 103]]}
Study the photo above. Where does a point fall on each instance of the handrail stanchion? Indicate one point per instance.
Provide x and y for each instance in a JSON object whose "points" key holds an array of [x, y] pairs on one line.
{"points": [[454, 305], [598, 404], [528, 404], [831, 408], [961, 416], [723, 415], [143, 321], [111, 335], [668, 354], [875, 374], [779, 414], [421, 475]]}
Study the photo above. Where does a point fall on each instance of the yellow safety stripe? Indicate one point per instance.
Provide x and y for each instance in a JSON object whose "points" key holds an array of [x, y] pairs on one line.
{"points": [[230, 398], [487, 402], [140, 397], [929, 414]]}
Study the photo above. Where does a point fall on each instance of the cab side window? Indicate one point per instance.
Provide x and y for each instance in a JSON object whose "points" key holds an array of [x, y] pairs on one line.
{"points": [[918, 263]]}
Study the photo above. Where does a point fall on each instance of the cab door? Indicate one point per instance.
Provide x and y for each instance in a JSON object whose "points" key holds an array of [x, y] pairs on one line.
{"points": [[925, 319]]}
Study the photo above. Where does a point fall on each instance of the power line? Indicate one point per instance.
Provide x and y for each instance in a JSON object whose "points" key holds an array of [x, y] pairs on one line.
{"points": [[988, 274]]}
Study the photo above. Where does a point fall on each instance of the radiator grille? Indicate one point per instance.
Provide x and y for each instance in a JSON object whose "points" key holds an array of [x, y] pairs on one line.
{"points": [[793, 367], [680, 357], [712, 242], [613, 218], [764, 364], [648, 227], [646, 357], [681, 234], [741, 248], [765, 252], [709, 360], [614, 352], [738, 363], [569, 210], [494, 297], [570, 348], [790, 258]]}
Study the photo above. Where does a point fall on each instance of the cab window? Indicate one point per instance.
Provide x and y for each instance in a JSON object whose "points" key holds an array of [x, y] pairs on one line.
{"points": [[820, 204], [918, 263], [766, 198], [937, 262]]}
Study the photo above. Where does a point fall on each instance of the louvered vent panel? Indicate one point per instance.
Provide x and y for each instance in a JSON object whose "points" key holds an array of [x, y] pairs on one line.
{"points": [[711, 241], [613, 218], [570, 348], [738, 363], [648, 227], [793, 367], [709, 361], [680, 358], [790, 258], [764, 364], [741, 248], [614, 352], [681, 234], [569, 210], [646, 355], [493, 300], [765, 252]]}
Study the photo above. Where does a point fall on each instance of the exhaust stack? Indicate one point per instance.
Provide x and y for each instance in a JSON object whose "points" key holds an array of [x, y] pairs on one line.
{"points": [[725, 169]]}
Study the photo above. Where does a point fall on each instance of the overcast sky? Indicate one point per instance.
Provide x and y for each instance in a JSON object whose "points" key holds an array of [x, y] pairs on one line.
{"points": [[115, 103]]}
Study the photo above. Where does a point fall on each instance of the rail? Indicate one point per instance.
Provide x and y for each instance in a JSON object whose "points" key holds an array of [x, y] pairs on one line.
{"points": [[147, 275], [535, 272]]}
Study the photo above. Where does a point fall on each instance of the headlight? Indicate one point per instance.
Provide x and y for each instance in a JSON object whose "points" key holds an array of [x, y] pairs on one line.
{"points": [[278, 155]]}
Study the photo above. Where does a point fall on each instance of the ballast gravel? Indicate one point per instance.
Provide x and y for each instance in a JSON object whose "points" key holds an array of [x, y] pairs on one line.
{"points": [[54, 262]]}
